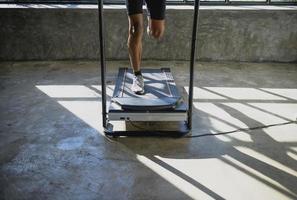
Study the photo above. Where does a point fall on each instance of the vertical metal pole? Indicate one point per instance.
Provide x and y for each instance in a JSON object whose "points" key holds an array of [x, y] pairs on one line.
{"points": [[102, 62], [192, 61]]}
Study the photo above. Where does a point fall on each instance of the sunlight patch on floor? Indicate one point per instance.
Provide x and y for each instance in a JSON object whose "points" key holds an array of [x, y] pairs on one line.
{"points": [[292, 155], [285, 110], [88, 111], [223, 177], [263, 158], [221, 121], [292, 152], [278, 134], [216, 112], [109, 89], [287, 92], [249, 115], [204, 94], [243, 93], [294, 149], [181, 184], [68, 91]]}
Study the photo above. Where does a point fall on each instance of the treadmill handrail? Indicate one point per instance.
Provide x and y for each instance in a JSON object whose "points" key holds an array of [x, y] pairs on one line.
{"points": [[192, 61], [102, 62]]}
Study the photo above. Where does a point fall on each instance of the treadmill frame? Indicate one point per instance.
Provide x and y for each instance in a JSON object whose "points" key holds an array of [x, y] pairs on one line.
{"points": [[108, 129]]}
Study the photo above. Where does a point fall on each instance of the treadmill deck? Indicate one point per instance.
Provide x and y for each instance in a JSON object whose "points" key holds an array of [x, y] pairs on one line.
{"points": [[161, 101]]}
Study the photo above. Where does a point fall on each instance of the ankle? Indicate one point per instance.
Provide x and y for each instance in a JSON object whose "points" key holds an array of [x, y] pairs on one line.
{"points": [[137, 73]]}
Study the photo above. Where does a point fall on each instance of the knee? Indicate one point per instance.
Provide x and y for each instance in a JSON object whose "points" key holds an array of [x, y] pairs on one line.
{"points": [[135, 35], [136, 31], [157, 33]]}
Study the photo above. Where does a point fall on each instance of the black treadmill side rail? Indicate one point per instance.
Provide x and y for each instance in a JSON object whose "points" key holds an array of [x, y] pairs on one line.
{"points": [[102, 62], [192, 61]]}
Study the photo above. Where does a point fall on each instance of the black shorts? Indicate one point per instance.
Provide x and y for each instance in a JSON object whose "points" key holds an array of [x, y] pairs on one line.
{"points": [[156, 8]]}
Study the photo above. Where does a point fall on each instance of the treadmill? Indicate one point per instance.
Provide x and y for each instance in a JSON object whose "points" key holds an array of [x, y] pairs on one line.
{"points": [[162, 101]]}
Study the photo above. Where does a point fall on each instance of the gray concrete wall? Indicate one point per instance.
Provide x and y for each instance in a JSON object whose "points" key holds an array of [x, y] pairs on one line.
{"points": [[225, 35]]}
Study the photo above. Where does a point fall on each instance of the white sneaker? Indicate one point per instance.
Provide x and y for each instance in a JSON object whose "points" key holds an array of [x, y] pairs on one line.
{"points": [[138, 85]]}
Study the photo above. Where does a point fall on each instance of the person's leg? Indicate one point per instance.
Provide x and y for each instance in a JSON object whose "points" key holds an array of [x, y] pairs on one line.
{"points": [[135, 40], [156, 18], [135, 16], [135, 51]]}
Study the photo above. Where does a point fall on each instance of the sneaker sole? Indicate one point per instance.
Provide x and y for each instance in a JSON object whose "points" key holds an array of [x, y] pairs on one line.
{"points": [[140, 92]]}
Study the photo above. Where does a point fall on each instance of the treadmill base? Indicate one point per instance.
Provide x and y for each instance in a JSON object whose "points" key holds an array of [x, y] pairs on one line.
{"points": [[138, 132]]}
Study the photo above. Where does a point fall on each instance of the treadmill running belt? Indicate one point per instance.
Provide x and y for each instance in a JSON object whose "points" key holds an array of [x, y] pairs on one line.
{"points": [[160, 90]]}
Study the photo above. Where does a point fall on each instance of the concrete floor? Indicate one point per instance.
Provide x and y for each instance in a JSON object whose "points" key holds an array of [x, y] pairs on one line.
{"points": [[52, 145]]}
